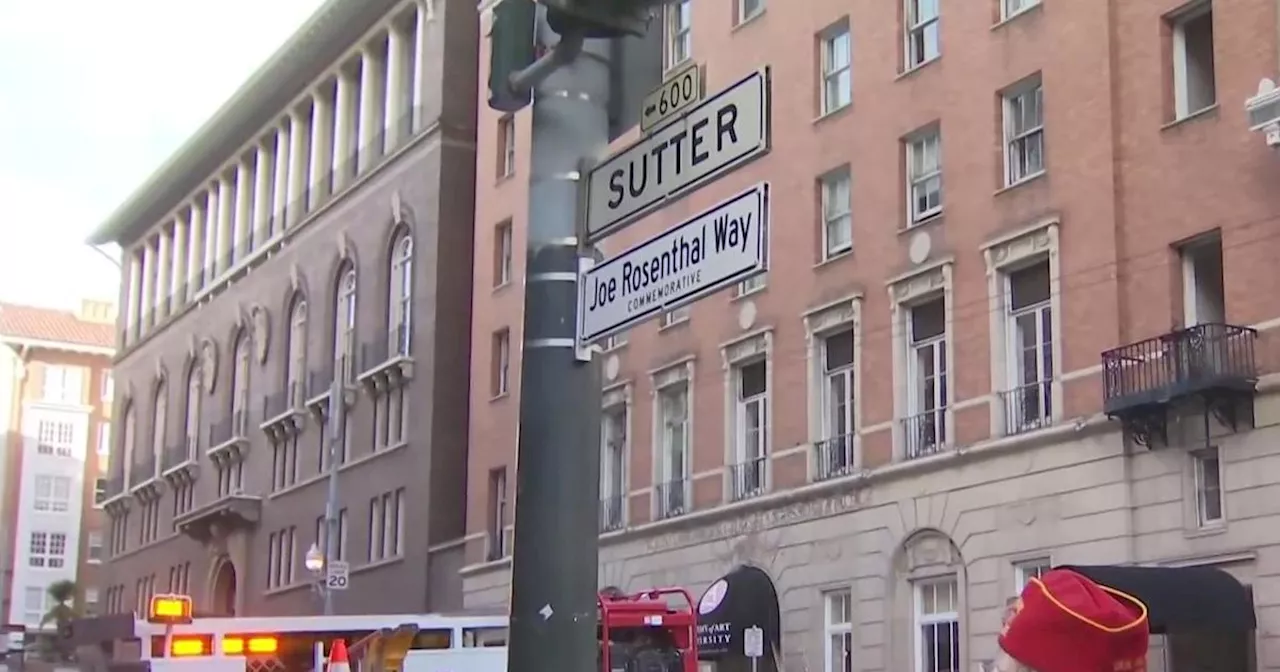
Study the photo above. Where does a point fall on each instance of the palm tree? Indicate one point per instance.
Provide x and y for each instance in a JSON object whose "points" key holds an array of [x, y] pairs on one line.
{"points": [[64, 609]]}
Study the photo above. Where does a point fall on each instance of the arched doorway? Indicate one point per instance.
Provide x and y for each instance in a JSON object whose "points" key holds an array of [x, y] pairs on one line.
{"points": [[223, 592], [744, 598]]}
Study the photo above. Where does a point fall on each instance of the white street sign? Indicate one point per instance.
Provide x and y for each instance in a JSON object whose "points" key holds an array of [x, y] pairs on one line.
{"points": [[712, 138], [337, 575], [677, 93], [753, 642], [719, 247]]}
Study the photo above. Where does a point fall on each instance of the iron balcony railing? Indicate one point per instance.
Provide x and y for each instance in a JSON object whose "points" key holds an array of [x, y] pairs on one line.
{"points": [[746, 479], [611, 513], [384, 347], [1027, 407], [1177, 364], [144, 469], [925, 433], [112, 486], [175, 454], [672, 497], [230, 428], [833, 457]]}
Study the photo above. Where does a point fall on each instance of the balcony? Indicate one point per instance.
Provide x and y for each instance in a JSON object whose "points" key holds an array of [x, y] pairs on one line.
{"points": [[925, 434], [144, 477], [214, 521], [284, 412], [1027, 407], [611, 516], [1212, 364], [384, 362], [180, 462], [229, 437], [833, 457], [672, 498], [320, 384], [747, 478], [113, 490]]}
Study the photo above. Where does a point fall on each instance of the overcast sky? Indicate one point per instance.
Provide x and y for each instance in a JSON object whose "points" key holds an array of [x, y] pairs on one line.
{"points": [[94, 96]]}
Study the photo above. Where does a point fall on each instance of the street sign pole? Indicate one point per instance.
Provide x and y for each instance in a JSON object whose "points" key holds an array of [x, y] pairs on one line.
{"points": [[753, 645]]}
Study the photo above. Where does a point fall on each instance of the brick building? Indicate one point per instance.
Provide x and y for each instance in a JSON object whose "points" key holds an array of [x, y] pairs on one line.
{"points": [[995, 224], [317, 228], [55, 407]]}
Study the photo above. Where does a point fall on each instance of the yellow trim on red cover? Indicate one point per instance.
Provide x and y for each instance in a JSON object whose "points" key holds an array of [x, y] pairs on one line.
{"points": [[1142, 608]]}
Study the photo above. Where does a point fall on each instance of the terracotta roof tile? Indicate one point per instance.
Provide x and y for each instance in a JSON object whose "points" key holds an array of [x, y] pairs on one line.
{"points": [[58, 326]]}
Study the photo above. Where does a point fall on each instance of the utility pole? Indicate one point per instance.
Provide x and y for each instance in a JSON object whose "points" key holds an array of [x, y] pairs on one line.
{"points": [[337, 434]]}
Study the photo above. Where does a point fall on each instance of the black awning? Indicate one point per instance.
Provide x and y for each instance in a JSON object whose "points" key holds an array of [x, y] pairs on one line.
{"points": [[741, 599], [1181, 598]]}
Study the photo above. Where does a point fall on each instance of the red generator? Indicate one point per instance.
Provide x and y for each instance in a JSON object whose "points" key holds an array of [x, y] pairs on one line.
{"points": [[646, 632]]}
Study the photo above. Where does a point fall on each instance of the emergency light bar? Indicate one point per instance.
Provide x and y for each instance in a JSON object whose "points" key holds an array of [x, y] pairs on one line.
{"points": [[170, 609]]}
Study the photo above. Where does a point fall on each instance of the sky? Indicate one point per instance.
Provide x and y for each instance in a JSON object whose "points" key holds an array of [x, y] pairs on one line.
{"points": [[94, 96]]}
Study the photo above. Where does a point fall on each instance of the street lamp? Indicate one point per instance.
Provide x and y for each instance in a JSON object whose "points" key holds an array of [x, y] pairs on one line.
{"points": [[314, 561]]}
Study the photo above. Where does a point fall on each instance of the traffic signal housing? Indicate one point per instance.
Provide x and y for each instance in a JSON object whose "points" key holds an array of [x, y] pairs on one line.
{"points": [[600, 18], [512, 49]]}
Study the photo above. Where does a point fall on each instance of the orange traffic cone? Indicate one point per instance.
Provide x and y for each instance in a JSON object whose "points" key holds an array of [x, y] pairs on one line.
{"points": [[338, 657]]}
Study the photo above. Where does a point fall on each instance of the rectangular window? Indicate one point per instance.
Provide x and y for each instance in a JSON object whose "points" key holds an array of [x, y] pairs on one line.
{"points": [[837, 73], [94, 545], [1026, 570], [55, 438], [924, 176], [1203, 297], [507, 146], [322, 539], [674, 460], [937, 630], [615, 341], [53, 493], [497, 513], [837, 215], [500, 363], [47, 550], [678, 20], [613, 466], [1208, 484], [1194, 85], [1012, 8], [747, 10], [674, 316], [1029, 320], [34, 598], [921, 32], [1024, 132], [838, 627], [108, 391], [104, 440], [835, 456], [502, 254], [63, 384], [752, 284], [386, 525], [925, 428], [751, 416]]}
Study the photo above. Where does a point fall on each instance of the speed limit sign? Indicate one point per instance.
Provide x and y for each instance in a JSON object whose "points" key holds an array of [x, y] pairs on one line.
{"points": [[338, 575]]}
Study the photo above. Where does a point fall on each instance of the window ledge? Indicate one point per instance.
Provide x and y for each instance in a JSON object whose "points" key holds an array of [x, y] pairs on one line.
{"points": [[672, 325], [832, 114], [1209, 530], [499, 397], [1023, 182], [917, 225], [1212, 110], [501, 286], [749, 20], [1017, 15], [839, 256], [503, 179], [672, 68], [748, 294], [917, 68]]}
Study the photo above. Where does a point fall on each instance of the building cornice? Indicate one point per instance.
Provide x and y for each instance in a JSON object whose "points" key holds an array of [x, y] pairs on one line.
{"points": [[79, 348]]}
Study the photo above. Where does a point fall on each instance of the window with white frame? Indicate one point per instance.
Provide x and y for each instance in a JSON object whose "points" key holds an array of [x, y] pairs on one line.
{"points": [[344, 342], [401, 296], [500, 361], [53, 493], [34, 599], [751, 429], [925, 429], [924, 175], [837, 215], [837, 71], [613, 466], [47, 550], [1025, 570], [674, 316], [921, 32], [836, 451], [615, 341], [502, 254], [1024, 131], [745, 10], [678, 21], [108, 390], [94, 546], [130, 432], [838, 630], [752, 284], [63, 384], [1012, 8], [1207, 468], [507, 146], [160, 419], [296, 374], [241, 360], [55, 437], [386, 525], [497, 527], [937, 621], [1194, 82], [104, 439], [1029, 402], [673, 410]]}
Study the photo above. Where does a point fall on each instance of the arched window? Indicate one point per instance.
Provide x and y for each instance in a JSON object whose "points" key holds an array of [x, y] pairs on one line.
{"points": [[161, 419], [240, 384], [297, 364], [344, 328], [126, 439], [401, 299], [195, 384]]}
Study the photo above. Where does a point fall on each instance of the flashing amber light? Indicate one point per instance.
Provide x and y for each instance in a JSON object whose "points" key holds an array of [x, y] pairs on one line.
{"points": [[170, 609], [187, 646], [256, 645]]}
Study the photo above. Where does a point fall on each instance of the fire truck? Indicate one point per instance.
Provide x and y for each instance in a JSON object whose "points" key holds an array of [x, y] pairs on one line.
{"points": [[652, 631]]}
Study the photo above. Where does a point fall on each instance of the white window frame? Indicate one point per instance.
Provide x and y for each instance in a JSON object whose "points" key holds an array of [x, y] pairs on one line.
{"points": [[837, 211], [503, 363], [1017, 375], [507, 133], [47, 550], [34, 614], [837, 630], [846, 374], [916, 31], [1012, 8], [506, 254], [48, 499], [497, 527], [296, 373], [344, 341], [836, 63], [742, 13], [677, 37], [108, 391], [751, 285], [937, 346], [243, 363], [928, 172], [1025, 570], [674, 317], [55, 437], [1204, 490], [63, 384], [751, 444], [94, 541], [615, 341], [670, 429], [615, 444], [920, 620], [1178, 24], [1019, 144]]}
